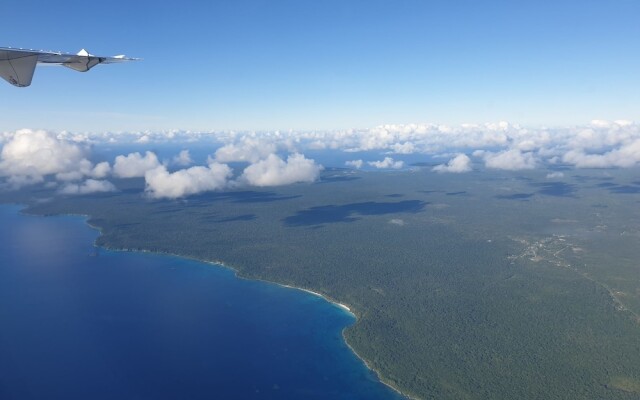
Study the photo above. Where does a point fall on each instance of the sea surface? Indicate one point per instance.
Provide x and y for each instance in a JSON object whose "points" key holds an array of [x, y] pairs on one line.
{"points": [[79, 322]]}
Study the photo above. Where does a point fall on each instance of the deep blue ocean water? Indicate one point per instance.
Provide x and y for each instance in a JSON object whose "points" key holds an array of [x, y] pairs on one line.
{"points": [[78, 322]]}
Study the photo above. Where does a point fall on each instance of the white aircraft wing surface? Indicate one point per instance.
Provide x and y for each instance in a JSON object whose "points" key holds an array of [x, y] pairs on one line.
{"points": [[18, 65]]}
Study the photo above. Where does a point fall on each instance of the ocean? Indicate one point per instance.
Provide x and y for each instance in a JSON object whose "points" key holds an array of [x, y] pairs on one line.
{"points": [[79, 322]]}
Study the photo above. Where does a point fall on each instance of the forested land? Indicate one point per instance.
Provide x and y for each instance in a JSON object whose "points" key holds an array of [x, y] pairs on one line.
{"points": [[475, 286]]}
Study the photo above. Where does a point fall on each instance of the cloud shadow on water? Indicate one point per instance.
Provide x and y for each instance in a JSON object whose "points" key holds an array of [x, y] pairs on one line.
{"points": [[515, 196], [461, 193], [341, 178], [349, 212], [624, 189], [557, 189], [244, 217], [587, 178], [247, 196], [258, 197], [167, 210]]}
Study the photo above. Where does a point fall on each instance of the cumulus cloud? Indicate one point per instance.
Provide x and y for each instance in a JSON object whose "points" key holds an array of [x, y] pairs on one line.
{"points": [[84, 167], [134, 165], [88, 186], [160, 183], [357, 164], [144, 139], [596, 137], [101, 170], [512, 160], [387, 163], [397, 221], [458, 164], [28, 156], [33, 156], [625, 156], [403, 148], [182, 159], [423, 138], [555, 175], [247, 150], [274, 171]]}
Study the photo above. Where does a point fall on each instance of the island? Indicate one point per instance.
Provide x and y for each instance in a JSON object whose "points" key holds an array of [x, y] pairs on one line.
{"points": [[487, 285]]}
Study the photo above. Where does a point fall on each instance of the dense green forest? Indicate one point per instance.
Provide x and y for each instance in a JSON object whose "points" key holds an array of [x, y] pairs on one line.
{"points": [[484, 285]]}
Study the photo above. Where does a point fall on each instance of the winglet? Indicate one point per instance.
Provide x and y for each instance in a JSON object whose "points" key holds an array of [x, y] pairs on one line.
{"points": [[83, 61]]}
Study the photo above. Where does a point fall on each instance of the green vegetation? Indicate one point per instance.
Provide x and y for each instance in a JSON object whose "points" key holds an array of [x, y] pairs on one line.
{"points": [[472, 286]]}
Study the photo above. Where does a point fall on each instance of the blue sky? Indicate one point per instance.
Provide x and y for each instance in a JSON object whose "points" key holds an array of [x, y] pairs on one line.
{"points": [[253, 64]]}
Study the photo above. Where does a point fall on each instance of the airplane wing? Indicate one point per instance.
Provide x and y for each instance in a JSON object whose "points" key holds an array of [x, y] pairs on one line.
{"points": [[18, 65]]}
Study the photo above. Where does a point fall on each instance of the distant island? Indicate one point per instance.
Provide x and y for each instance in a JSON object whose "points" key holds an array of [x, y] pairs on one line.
{"points": [[488, 285]]}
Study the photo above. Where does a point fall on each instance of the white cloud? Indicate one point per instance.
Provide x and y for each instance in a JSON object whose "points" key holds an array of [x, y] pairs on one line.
{"points": [[101, 170], [134, 165], [273, 171], [397, 221], [598, 123], [28, 156], [88, 186], [625, 156], [458, 164], [182, 159], [247, 150], [357, 164], [510, 160], [387, 163], [144, 139], [84, 167], [403, 148], [161, 183], [596, 137], [555, 175]]}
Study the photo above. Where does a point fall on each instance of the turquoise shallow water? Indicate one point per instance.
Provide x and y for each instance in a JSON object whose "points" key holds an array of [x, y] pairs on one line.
{"points": [[84, 323]]}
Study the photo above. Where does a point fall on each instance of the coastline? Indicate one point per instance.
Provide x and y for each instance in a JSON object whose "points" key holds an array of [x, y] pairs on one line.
{"points": [[375, 371], [344, 338], [238, 274], [343, 306]]}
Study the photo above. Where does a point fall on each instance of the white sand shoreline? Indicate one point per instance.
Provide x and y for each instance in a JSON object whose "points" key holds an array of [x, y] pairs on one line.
{"points": [[343, 306]]}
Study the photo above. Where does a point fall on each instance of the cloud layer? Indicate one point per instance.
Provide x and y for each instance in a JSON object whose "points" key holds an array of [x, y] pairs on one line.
{"points": [[578, 143], [63, 159], [599, 144]]}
